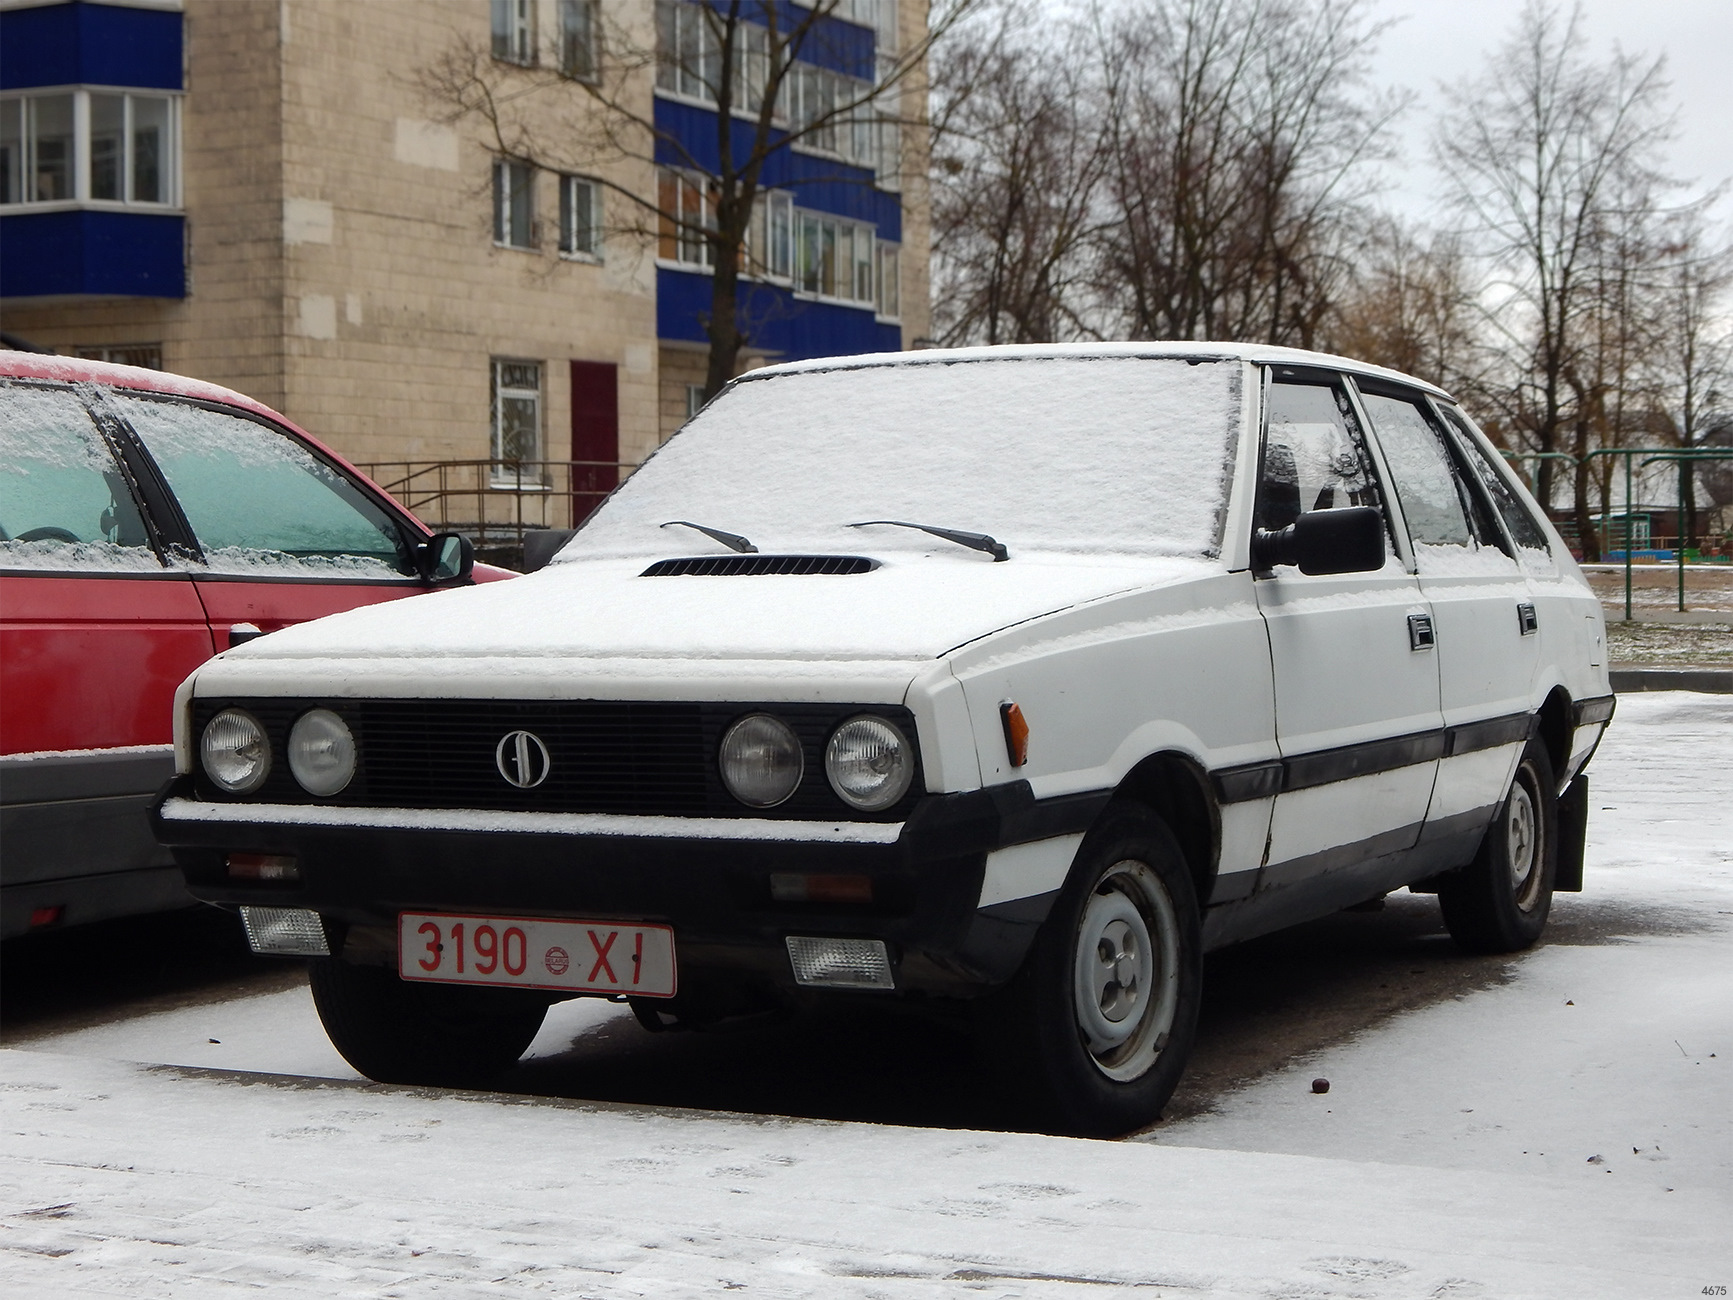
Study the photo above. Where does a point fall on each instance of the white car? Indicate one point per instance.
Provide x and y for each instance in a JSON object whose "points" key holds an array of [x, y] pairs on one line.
{"points": [[1019, 677]]}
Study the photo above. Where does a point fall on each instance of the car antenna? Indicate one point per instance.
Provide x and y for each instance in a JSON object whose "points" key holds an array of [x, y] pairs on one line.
{"points": [[974, 541], [733, 541]]}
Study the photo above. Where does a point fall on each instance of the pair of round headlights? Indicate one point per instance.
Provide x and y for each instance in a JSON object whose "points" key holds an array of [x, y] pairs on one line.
{"points": [[867, 761], [237, 753]]}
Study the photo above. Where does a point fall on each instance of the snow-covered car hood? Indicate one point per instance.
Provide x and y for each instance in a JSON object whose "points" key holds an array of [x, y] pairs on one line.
{"points": [[912, 608]]}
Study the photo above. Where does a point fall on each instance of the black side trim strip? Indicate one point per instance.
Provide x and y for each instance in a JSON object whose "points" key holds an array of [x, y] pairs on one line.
{"points": [[1586, 712], [1364, 759], [1490, 734], [1327, 766]]}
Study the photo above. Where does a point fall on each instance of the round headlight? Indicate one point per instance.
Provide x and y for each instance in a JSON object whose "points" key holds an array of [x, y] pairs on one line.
{"points": [[235, 751], [868, 763], [321, 752], [761, 760]]}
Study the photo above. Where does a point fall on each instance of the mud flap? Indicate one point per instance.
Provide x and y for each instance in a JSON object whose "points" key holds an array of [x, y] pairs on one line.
{"points": [[1573, 826]]}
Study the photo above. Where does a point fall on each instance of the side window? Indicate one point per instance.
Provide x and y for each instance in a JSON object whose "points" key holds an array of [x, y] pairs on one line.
{"points": [[1530, 539], [1315, 455], [64, 503], [259, 502]]}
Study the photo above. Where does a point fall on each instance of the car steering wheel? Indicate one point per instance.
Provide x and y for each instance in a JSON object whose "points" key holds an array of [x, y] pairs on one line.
{"points": [[47, 533]]}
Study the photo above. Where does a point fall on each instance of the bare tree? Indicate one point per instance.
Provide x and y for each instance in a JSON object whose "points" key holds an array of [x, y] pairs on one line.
{"points": [[1548, 156], [1017, 166], [1410, 306], [1234, 126], [748, 60]]}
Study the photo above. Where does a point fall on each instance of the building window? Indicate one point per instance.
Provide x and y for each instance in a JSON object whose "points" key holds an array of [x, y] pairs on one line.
{"points": [[514, 31], [834, 258], [772, 240], [890, 299], [580, 39], [517, 420], [90, 147], [513, 204], [148, 355], [694, 399], [580, 217], [686, 210]]}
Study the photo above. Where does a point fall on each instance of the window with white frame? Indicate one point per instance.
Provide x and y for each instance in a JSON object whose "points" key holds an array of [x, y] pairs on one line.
{"points": [[686, 211], [694, 399], [148, 355], [517, 420], [833, 257], [580, 39], [514, 31], [890, 285], [513, 204], [580, 217], [771, 242], [90, 147]]}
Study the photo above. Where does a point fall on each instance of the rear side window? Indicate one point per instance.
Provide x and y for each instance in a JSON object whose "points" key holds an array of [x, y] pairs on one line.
{"points": [[1449, 534], [259, 502], [1530, 539], [64, 503], [1315, 455]]}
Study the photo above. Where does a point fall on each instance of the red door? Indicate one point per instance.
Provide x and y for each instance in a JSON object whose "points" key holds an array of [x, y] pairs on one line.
{"points": [[595, 435]]}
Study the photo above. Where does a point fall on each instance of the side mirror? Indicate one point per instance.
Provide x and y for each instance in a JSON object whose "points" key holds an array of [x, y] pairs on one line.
{"points": [[1325, 541], [445, 557]]}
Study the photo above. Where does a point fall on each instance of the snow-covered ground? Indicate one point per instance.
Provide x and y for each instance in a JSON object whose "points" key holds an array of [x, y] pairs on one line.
{"points": [[1568, 1132]]}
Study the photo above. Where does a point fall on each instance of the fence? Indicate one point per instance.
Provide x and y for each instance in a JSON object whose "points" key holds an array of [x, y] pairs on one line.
{"points": [[495, 502]]}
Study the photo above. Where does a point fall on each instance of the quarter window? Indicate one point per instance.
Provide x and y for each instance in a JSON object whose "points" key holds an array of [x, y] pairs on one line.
{"points": [[1315, 455], [1530, 538], [259, 502]]}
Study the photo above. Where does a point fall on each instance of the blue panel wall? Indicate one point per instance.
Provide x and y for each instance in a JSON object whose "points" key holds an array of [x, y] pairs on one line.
{"points": [[90, 44], [108, 254], [775, 319], [821, 184]]}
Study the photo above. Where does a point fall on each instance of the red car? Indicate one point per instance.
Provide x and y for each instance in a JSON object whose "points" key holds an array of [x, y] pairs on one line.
{"points": [[147, 522]]}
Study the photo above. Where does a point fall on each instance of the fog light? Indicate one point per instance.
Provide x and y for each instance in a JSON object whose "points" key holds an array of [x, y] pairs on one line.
{"points": [[285, 931], [840, 963], [263, 866]]}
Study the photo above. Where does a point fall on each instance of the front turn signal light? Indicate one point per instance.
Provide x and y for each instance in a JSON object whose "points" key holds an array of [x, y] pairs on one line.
{"points": [[1016, 733]]}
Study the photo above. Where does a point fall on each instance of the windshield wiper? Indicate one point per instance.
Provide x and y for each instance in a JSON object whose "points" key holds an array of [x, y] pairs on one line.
{"points": [[974, 541], [733, 541]]}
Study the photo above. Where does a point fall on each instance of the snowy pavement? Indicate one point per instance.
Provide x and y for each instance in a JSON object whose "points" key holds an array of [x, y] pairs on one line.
{"points": [[1567, 1132]]}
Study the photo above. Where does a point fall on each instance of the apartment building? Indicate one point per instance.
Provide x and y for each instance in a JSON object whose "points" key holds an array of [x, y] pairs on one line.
{"points": [[285, 197]]}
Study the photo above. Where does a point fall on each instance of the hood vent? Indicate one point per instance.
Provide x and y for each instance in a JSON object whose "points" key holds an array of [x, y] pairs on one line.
{"points": [[738, 566]]}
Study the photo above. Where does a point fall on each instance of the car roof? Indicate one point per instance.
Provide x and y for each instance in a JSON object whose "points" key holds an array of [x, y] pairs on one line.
{"points": [[77, 370], [1187, 351]]}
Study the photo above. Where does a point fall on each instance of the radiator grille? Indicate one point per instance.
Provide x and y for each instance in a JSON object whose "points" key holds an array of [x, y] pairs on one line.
{"points": [[632, 757]]}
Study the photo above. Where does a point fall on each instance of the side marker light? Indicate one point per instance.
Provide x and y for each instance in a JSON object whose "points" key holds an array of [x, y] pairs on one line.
{"points": [[1016, 733]]}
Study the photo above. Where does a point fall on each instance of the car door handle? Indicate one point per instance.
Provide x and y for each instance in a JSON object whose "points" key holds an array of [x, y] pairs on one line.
{"points": [[1420, 634], [1526, 621]]}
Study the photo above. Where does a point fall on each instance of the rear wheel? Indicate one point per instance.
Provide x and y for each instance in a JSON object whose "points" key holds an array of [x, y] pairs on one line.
{"points": [[1100, 1020], [1500, 901], [396, 1031]]}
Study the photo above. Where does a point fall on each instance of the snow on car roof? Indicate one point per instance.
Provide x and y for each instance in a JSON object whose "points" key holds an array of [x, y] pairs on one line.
{"points": [[1188, 351], [73, 370]]}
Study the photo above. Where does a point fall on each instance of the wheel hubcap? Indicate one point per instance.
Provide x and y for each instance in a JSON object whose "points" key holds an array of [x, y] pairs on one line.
{"points": [[1522, 832], [1126, 975]]}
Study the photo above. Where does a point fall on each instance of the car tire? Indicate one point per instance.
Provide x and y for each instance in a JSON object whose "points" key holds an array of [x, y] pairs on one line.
{"points": [[1097, 1025], [1500, 901], [396, 1031]]}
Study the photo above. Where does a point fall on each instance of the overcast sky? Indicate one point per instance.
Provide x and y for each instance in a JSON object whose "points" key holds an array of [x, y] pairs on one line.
{"points": [[1447, 40]]}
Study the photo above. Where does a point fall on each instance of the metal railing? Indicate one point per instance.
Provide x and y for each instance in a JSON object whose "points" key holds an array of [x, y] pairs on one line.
{"points": [[495, 502]]}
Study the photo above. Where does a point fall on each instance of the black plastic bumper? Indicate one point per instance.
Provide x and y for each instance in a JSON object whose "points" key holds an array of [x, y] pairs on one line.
{"points": [[715, 893]]}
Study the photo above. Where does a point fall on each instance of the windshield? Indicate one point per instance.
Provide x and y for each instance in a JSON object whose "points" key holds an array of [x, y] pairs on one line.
{"points": [[1125, 455]]}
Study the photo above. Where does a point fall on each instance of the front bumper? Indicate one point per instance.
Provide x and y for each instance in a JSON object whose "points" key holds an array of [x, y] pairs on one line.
{"points": [[361, 867]]}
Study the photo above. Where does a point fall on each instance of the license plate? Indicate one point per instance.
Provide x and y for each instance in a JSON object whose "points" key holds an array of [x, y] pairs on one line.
{"points": [[532, 953]]}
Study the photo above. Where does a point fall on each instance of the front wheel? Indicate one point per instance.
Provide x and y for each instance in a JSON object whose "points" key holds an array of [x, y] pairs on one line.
{"points": [[1099, 1022], [1500, 901], [397, 1031]]}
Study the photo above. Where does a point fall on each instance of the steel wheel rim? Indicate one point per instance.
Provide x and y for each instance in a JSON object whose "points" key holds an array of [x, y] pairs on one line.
{"points": [[1125, 971], [1523, 846]]}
